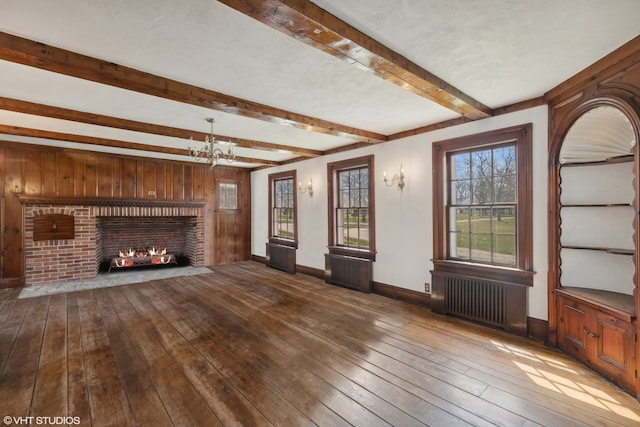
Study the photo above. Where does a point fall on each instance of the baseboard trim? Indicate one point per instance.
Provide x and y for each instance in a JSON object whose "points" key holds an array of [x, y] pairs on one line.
{"points": [[310, 271], [258, 258], [406, 295], [537, 328]]}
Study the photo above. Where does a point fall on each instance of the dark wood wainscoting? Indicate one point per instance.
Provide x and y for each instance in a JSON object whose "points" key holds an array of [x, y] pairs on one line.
{"points": [[253, 346]]}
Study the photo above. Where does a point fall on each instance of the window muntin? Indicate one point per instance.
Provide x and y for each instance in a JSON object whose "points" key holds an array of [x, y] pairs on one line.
{"points": [[352, 212], [482, 205], [228, 195], [283, 208], [352, 207], [452, 187]]}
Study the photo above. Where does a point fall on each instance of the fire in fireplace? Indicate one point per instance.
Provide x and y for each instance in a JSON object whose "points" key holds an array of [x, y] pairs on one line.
{"points": [[141, 257], [139, 241]]}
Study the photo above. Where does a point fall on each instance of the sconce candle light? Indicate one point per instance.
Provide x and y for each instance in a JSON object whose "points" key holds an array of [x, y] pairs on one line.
{"points": [[397, 179], [307, 189]]}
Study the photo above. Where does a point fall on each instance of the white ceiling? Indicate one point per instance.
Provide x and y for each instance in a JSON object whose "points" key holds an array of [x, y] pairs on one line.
{"points": [[496, 52]]}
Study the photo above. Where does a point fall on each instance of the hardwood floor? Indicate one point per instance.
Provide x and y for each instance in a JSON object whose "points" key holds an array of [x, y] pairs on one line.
{"points": [[251, 346]]}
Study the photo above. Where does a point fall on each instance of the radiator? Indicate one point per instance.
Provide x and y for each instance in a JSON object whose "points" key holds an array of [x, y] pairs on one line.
{"points": [[350, 272], [281, 257], [499, 304]]}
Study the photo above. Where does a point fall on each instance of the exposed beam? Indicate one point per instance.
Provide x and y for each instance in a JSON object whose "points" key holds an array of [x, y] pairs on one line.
{"points": [[31, 53], [316, 27], [106, 142], [26, 107]]}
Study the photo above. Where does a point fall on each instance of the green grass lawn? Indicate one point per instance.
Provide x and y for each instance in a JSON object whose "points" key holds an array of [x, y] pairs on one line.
{"points": [[503, 234]]}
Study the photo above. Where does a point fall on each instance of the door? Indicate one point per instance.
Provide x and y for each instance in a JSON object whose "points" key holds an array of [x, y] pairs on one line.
{"points": [[231, 216]]}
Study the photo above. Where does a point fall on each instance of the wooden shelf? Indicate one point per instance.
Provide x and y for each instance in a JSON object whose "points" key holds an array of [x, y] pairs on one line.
{"points": [[618, 304], [598, 205], [616, 251], [608, 161]]}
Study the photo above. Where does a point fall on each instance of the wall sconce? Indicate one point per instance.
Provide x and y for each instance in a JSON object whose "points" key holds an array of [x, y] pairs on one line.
{"points": [[397, 179], [307, 189]]}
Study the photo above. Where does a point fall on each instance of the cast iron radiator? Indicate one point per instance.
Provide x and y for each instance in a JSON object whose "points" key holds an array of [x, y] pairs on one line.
{"points": [[499, 304], [281, 257], [350, 272]]}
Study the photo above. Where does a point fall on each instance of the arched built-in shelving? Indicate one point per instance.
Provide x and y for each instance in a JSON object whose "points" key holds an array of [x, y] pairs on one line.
{"points": [[594, 202]]}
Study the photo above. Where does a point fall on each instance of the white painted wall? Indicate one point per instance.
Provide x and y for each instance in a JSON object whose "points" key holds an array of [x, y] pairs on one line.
{"points": [[404, 236]]}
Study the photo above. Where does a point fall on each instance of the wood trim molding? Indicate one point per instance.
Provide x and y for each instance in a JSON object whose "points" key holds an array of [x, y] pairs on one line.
{"points": [[27, 199], [626, 52], [401, 294], [521, 135], [310, 271], [300, 269], [537, 328], [333, 169], [272, 178]]}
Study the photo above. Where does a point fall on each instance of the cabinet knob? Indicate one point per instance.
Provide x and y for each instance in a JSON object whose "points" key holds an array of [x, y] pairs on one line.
{"points": [[588, 332]]}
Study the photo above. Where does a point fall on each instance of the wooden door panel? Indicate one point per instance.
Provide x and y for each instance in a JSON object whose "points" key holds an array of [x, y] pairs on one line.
{"points": [[128, 179], [66, 174], [13, 223], [34, 173], [615, 349], [611, 348], [573, 325]]}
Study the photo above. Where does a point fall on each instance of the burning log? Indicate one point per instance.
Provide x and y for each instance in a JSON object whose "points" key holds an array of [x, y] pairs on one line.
{"points": [[138, 257]]}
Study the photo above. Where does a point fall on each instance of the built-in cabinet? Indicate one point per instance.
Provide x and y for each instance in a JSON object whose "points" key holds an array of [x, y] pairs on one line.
{"points": [[597, 328], [593, 218]]}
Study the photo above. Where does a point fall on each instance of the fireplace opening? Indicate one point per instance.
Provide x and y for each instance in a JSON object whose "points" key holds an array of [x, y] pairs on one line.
{"points": [[146, 242]]}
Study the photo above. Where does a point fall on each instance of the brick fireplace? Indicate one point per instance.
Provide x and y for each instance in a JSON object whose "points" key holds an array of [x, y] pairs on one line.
{"points": [[102, 229]]}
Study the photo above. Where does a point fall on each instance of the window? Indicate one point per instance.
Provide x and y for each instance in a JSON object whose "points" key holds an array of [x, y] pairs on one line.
{"points": [[228, 193], [483, 199], [351, 205], [283, 207], [482, 205]]}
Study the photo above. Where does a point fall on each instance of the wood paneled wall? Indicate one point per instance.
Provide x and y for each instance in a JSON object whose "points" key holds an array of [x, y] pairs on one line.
{"points": [[63, 173]]}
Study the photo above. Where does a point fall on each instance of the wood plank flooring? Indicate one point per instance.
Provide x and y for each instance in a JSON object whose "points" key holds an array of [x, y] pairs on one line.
{"points": [[251, 346]]}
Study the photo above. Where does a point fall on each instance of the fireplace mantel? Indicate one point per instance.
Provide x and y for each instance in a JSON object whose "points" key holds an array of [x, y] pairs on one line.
{"points": [[27, 199]]}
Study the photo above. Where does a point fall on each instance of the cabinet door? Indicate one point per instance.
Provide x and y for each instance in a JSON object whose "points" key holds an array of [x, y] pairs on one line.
{"points": [[615, 351], [572, 327]]}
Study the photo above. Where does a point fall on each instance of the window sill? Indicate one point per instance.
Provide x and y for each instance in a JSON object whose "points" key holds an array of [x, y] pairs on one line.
{"points": [[483, 271], [356, 253], [283, 242]]}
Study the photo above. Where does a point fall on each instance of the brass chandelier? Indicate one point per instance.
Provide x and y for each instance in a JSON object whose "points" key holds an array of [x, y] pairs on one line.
{"points": [[211, 151]]}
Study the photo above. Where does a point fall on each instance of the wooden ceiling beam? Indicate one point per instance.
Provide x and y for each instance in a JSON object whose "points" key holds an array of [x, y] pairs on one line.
{"points": [[106, 142], [31, 53], [314, 26], [26, 107]]}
